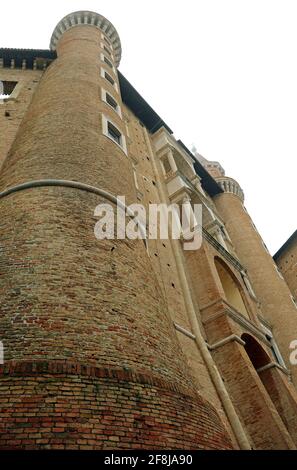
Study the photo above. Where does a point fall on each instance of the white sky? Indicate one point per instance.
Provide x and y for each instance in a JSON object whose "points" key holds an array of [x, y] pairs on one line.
{"points": [[222, 75]]}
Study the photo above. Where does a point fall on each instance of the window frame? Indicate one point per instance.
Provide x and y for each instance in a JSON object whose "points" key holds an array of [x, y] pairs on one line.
{"points": [[108, 62], [114, 84], [122, 139], [103, 36], [116, 109]]}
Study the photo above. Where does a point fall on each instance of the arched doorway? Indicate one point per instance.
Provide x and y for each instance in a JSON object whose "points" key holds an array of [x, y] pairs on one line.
{"points": [[258, 357], [231, 287], [278, 390]]}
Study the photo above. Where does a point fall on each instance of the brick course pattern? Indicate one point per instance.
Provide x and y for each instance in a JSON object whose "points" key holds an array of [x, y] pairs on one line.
{"points": [[70, 406], [67, 297]]}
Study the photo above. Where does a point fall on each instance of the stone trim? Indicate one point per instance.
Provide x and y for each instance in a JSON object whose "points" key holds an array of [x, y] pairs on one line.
{"points": [[75, 185], [238, 318], [230, 258], [224, 341], [271, 365], [184, 331], [80, 18], [229, 185]]}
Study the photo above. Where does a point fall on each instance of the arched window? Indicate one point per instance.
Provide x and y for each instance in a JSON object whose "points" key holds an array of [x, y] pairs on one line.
{"points": [[231, 287]]}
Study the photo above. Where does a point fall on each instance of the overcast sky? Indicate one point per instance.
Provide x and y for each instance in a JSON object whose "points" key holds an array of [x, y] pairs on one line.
{"points": [[221, 73]]}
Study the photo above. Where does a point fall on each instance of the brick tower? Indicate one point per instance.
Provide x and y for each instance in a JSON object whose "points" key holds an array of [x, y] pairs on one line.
{"points": [[276, 301], [92, 359]]}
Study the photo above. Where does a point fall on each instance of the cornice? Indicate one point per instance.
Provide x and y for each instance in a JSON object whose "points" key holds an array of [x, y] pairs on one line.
{"points": [[80, 18], [229, 185]]}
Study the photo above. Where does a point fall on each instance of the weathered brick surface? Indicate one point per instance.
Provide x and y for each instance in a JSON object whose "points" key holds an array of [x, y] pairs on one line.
{"points": [[255, 407], [287, 263], [69, 297], [12, 110], [271, 290], [258, 397], [92, 359], [68, 406]]}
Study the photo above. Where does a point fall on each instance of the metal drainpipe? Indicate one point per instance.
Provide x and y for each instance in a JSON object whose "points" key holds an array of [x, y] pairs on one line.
{"points": [[235, 423]]}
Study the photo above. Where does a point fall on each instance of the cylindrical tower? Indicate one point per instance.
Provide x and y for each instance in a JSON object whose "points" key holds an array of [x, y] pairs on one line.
{"points": [[271, 289], [91, 357]]}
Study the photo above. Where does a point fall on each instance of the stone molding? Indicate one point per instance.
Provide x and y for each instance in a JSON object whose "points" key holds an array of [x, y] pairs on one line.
{"points": [[80, 18]]}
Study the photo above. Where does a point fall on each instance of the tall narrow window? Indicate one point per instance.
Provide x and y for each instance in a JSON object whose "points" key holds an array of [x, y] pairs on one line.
{"points": [[112, 102], [107, 61], [107, 51], [109, 78], [107, 41], [114, 133]]}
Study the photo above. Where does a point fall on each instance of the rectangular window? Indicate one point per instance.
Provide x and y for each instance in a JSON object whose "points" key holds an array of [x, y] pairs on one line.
{"points": [[114, 133], [111, 131], [112, 102], [107, 51], [109, 78], [107, 61], [107, 41]]}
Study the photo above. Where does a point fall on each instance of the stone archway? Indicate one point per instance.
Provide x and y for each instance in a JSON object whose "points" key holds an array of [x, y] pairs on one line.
{"points": [[279, 390], [231, 287], [258, 356]]}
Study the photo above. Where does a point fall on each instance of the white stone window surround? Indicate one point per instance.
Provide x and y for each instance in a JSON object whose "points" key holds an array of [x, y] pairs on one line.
{"points": [[13, 95], [103, 72], [106, 49], [107, 41], [104, 58], [104, 94], [122, 145], [274, 346]]}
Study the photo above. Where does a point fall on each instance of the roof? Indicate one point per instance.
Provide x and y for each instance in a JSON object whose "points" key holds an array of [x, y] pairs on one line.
{"points": [[130, 96], [285, 246]]}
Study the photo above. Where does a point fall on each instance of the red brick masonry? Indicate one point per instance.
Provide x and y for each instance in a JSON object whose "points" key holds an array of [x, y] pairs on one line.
{"points": [[63, 405]]}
